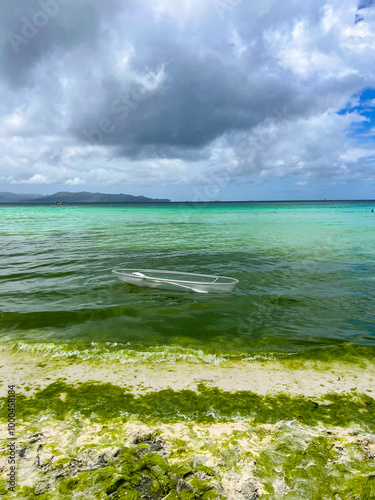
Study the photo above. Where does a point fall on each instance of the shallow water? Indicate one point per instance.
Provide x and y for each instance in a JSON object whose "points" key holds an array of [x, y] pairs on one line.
{"points": [[305, 270]]}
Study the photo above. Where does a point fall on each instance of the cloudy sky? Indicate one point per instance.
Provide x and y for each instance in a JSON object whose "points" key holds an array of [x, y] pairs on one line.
{"points": [[189, 99]]}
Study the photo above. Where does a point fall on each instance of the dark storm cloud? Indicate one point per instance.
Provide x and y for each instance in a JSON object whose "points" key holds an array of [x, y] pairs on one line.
{"points": [[197, 102], [207, 90], [33, 29], [159, 91]]}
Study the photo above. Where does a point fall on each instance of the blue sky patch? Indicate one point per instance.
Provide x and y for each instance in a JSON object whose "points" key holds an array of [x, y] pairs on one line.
{"points": [[365, 106], [364, 4]]}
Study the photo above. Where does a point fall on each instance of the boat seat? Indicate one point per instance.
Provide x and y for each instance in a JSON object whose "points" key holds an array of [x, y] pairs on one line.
{"points": [[139, 275]]}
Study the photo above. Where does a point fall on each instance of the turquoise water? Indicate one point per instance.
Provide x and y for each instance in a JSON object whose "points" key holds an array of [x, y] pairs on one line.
{"points": [[305, 270]]}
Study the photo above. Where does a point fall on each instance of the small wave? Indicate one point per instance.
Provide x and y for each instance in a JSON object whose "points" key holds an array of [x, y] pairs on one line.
{"points": [[125, 353], [272, 356]]}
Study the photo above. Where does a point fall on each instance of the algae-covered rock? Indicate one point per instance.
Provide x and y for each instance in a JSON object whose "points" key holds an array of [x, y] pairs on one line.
{"points": [[247, 489], [3, 486], [124, 473], [183, 485], [144, 436], [277, 446], [144, 487]]}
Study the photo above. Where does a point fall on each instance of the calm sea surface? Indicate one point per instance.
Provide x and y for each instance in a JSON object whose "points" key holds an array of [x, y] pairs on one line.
{"points": [[306, 278]]}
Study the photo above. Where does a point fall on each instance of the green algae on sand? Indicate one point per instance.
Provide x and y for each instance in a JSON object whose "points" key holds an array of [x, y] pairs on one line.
{"points": [[83, 440], [101, 402], [210, 462]]}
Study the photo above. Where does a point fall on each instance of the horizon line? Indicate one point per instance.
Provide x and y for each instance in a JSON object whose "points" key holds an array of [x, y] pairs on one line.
{"points": [[30, 202]]}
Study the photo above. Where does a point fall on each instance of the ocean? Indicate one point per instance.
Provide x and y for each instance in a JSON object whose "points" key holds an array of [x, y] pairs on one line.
{"points": [[305, 270]]}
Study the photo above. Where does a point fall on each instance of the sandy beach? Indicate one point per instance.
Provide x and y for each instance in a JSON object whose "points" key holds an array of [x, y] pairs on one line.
{"points": [[82, 423], [310, 379]]}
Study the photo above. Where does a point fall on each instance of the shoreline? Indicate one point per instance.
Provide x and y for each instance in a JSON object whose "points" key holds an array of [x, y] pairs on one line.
{"points": [[307, 378]]}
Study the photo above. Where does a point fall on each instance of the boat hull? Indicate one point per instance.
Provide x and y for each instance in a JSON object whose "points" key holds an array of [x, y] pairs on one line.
{"points": [[169, 280]]}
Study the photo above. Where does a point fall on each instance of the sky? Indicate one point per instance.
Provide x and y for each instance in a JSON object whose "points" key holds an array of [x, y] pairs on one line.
{"points": [[189, 99]]}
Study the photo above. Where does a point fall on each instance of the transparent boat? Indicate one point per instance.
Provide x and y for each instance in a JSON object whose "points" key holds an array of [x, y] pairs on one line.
{"points": [[173, 280]]}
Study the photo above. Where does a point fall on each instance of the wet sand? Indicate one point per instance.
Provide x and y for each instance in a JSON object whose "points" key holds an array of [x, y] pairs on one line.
{"points": [[311, 379]]}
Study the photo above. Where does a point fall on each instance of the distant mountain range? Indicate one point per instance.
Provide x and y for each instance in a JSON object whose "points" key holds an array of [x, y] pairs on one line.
{"points": [[17, 198], [82, 197]]}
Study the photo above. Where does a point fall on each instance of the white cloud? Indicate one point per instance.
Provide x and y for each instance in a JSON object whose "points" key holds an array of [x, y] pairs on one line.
{"points": [[252, 96], [317, 50], [75, 182], [35, 179], [370, 103]]}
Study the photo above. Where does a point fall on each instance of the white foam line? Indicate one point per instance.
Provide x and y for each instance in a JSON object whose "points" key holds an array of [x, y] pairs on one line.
{"points": [[131, 356]]}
